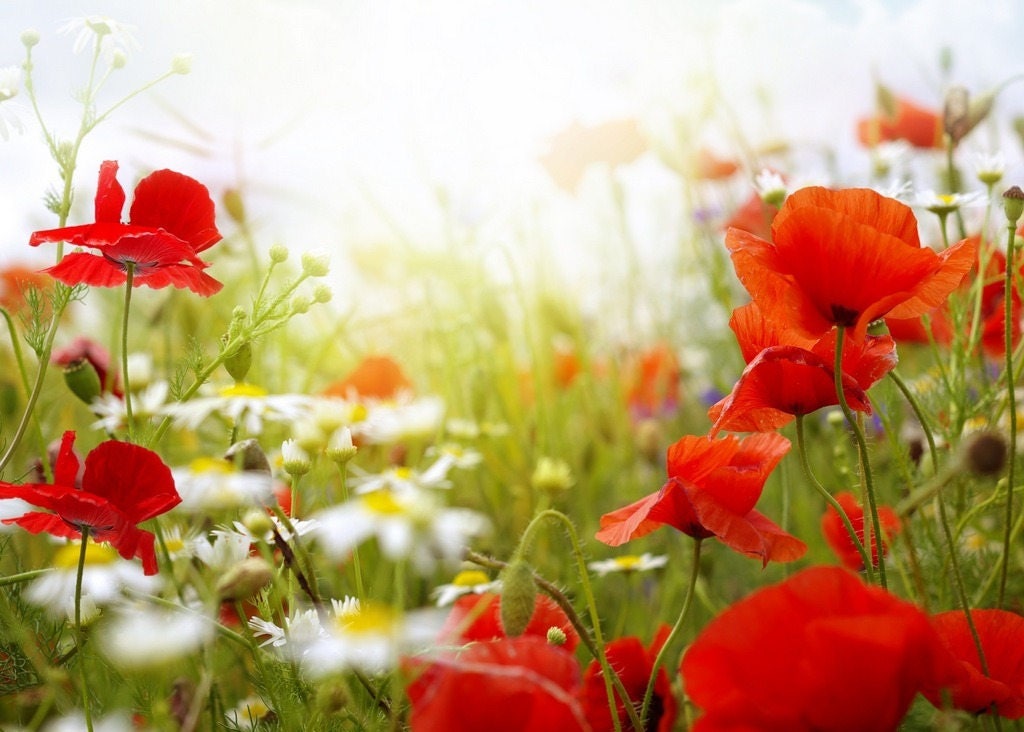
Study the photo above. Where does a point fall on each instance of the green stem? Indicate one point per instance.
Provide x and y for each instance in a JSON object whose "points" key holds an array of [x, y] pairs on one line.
{"points": [[663, 651], [1011, 400], [14, 579], [356, 563], [830, 499], [867, 480], [79, 635], [921, 420], [129, 418]]}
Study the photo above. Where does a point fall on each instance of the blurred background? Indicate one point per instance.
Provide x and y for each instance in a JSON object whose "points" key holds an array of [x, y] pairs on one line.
{"points": [[372, 127]]}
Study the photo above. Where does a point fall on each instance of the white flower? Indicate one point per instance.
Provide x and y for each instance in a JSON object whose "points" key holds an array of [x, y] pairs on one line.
{"points": [[246, 405], [387, 423], [402, 479], [101, 33], [770, 187], [248, 713], [945, 203], [227, 549], [466, 582], [116, 722], [294, 459], [140, 371], [12, 508], [301, 526], [990, 167], [112, 412], [140, 636], [10, 78], [628, 563], [209, 484], [105, 579], [457, 455], [407, 525]]}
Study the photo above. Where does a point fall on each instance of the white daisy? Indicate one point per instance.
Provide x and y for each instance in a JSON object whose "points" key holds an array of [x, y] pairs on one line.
{"points": [[466, 582], [407, 525], [209, 484], [99, 32], [226, 549], [946, 203], [142, 636], [389, 422], [10, 78], [403, 479], [246, 405], [628, 563], [458, 455], [146, 404]]}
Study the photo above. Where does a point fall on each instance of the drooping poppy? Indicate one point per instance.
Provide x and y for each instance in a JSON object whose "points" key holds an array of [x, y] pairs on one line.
{"points": [[712, 487], [171, 221], [478, 618], [375, 377], [839, 539], [1002, 640], [909, 121], [846, 258], [123, 485], [574, 149], [820, 651], [788, 374], [633, 663], [504, 685]]}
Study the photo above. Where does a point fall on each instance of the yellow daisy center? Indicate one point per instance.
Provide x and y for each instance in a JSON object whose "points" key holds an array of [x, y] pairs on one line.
{"points": [[243, 390], [383, 502], [371, 617], [67, 556], [470, 578], [627, 562]]}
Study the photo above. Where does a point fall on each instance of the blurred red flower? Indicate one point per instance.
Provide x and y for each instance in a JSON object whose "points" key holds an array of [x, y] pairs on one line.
{"points": [[478, 618], [711, 490], [820, 651], [653, 382], [375, 377], [170, 222], [839, 540], [788, 374], [919, 126], [123, 485], [576, 148], [754, 216], [505, 685], [846, 258], [14, 280], [633, 663], [86, 349], [1002, 639]]}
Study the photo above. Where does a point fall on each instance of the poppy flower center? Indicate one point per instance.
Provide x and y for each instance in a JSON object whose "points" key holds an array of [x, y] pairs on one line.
{"points": [[844, 316], [137, 267]]}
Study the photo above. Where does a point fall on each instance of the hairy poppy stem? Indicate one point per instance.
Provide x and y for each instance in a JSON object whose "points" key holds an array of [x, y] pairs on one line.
{"points": [[129, 419], [663, 651], [1011, 400], [865, 464], [79, 634], [830, 499]]}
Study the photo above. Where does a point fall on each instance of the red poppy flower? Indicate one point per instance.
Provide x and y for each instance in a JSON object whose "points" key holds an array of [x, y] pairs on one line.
{"points": [[820, 651], [633, 663], [711, 490], [839, 540], [122, 486], [478, 618], [788, 374], [754, 216], [505, 685], [919, 126], [170, 222], [846, 258], [653, 387], [1002, 639], [376, 377]]}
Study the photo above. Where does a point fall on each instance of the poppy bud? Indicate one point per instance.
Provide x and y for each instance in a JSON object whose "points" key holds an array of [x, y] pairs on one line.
{"points": [[245, 579], [83, 380], [984, 453], [237, 363], [1013, 204], [248, 455], [518, 597]]}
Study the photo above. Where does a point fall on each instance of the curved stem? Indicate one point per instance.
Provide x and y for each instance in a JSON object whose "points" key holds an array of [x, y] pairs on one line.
{"points": [[919, 413], [867, 480], [687, 601], [830, 499], [129, 419], [79, 635], [1011, 400]]}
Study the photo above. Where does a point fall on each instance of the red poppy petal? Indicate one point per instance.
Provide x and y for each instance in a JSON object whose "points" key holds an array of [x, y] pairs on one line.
{"points": [[183, 277], [132, 478], [79, 268], [109, 194], [49, 523], [65, 467], [96, 235], [628, 522], [179, 204], [955, 263]]}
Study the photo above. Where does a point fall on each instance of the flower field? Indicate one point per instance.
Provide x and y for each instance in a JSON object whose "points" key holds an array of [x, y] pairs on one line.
{"points": [[760, 472]]}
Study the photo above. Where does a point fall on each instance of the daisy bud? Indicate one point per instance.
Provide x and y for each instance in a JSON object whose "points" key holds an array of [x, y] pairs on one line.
{"points": [[29, 37], [301, 304], [257, 522], [316, 264], [1013, 204], [278, 253], [181, 63], [556, 636], [248, 455], [295, 460], [332, 697], [245, 579], [518, 597], [83, 380], [118, 59], [340, 447], [984, 453], [552, 476], [322, 293]]}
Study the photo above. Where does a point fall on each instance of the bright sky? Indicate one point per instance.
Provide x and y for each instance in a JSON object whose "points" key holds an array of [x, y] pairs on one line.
{"points": [[343, 120]]}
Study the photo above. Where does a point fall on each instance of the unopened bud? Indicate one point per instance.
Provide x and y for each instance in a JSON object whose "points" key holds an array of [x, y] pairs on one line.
{"points": [[340, 447], [245, 579], [237, 362], [518, 597], [234, 205], [181, 63], [278, 253], [29, 37], [257, 522], [301, 304], [552, 476], [118, 59], [322, 293], [248, 455], [294, 459], [83, 380], [316, 264]]}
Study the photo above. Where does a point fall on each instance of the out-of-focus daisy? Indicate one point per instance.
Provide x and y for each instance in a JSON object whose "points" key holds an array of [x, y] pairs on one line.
{"points": [[210, 484], [10, 79], [222, 550], [990, 167], [115, 722], [101, 33], [142, 636], [458, 456], [390, 422], [947, 203], [402, 479], [466, 582], [105, 579], [771, 187], [248, 713], [246, 405], [146, 404], [407, 525], [628, 564], [302, 527], [891, 155]]}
